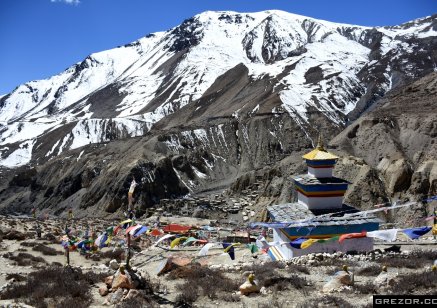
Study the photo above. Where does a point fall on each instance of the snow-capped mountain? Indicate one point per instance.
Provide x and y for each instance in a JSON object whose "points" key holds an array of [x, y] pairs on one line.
{"points": [[310, 66]]}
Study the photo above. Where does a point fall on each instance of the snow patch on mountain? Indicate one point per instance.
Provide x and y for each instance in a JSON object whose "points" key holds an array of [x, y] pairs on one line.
{"points": [[20, 156], [101, 130]]}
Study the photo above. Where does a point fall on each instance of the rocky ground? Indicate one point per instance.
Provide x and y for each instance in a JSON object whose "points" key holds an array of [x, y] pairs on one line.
{"points": [[34, 272]]}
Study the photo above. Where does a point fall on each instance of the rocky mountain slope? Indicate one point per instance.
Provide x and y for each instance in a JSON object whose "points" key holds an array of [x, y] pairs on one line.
{"points": [[214, 103], [398, 141]]}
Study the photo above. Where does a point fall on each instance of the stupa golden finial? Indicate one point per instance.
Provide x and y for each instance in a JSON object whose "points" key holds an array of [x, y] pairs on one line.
{"points": [[320, 143]]}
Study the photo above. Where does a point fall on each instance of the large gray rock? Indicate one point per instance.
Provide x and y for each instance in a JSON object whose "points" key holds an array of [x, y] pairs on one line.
{"points": [[384, 280], [113, 264], [116, 296]]}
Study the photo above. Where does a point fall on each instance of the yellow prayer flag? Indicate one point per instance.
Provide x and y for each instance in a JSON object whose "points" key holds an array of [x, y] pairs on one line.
{"points": [[176, 241], [125, 222], [230, 246], [308, 243]]}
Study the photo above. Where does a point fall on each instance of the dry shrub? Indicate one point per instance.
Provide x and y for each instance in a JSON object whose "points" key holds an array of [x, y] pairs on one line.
{"points": [[298, 268], [366, 288], [24, 259], [326, 301], [267, 275], [417, 258], [15, 276], [335, 262], [189, 294], [28, 244], [430, 255], [57, 264], [407, 283], [274, 302], [265, 271], [50, 238], [230, 298], [137, 302], [67, 286], [93, 278], [95, 257], [14, 235], [47, 251], [209, 282], [402, 262], [190, 272], [283, 283], [369, 270]]}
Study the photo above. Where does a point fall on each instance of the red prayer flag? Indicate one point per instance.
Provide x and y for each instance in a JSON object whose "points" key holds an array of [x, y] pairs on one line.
{"points": [[352, 235]]}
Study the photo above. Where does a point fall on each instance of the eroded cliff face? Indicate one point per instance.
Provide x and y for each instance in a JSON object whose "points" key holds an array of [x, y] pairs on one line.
{"points": [[398, 141]]}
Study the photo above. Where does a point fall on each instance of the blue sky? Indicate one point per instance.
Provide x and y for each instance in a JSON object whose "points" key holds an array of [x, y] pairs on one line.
{"points": [[40, 38]]}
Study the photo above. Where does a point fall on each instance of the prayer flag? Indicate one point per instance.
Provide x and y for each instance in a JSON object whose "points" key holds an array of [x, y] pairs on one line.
{"points": [[351, 235], [140, 231], [297, 243], [176, 241], [253, 248], [385, 235], [308, 243], [415, 233], [229, 248], [167, 236], [189, 240], [205, 249]]}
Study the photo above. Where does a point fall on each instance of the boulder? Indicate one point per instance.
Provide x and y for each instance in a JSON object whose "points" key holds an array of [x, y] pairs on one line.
{"points": [[103, 291], [108, 281], [113, 264], [116, 297], [133, 294], [122, 281]]}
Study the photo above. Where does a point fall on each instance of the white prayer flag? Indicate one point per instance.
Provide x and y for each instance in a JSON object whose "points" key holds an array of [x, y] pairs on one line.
{"points": [[205, 249], [385, 235], [167, 236]]}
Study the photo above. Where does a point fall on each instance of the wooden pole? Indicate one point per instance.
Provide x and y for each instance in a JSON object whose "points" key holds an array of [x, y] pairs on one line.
{"points": [[248, 236], [128, 251], [67, 253], [435, 221]]}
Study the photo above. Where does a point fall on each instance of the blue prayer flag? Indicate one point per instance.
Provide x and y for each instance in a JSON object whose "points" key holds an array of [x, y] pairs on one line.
{"points": [[297, 242], [415, 233]]}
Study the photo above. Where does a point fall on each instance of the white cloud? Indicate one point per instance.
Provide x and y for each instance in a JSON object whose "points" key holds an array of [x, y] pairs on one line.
{"points": [[73, 2]]}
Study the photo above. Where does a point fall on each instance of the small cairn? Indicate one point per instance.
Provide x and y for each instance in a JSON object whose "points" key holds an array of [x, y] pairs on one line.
{"points": [[339, 281], [125, 284], [250, 286]]}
